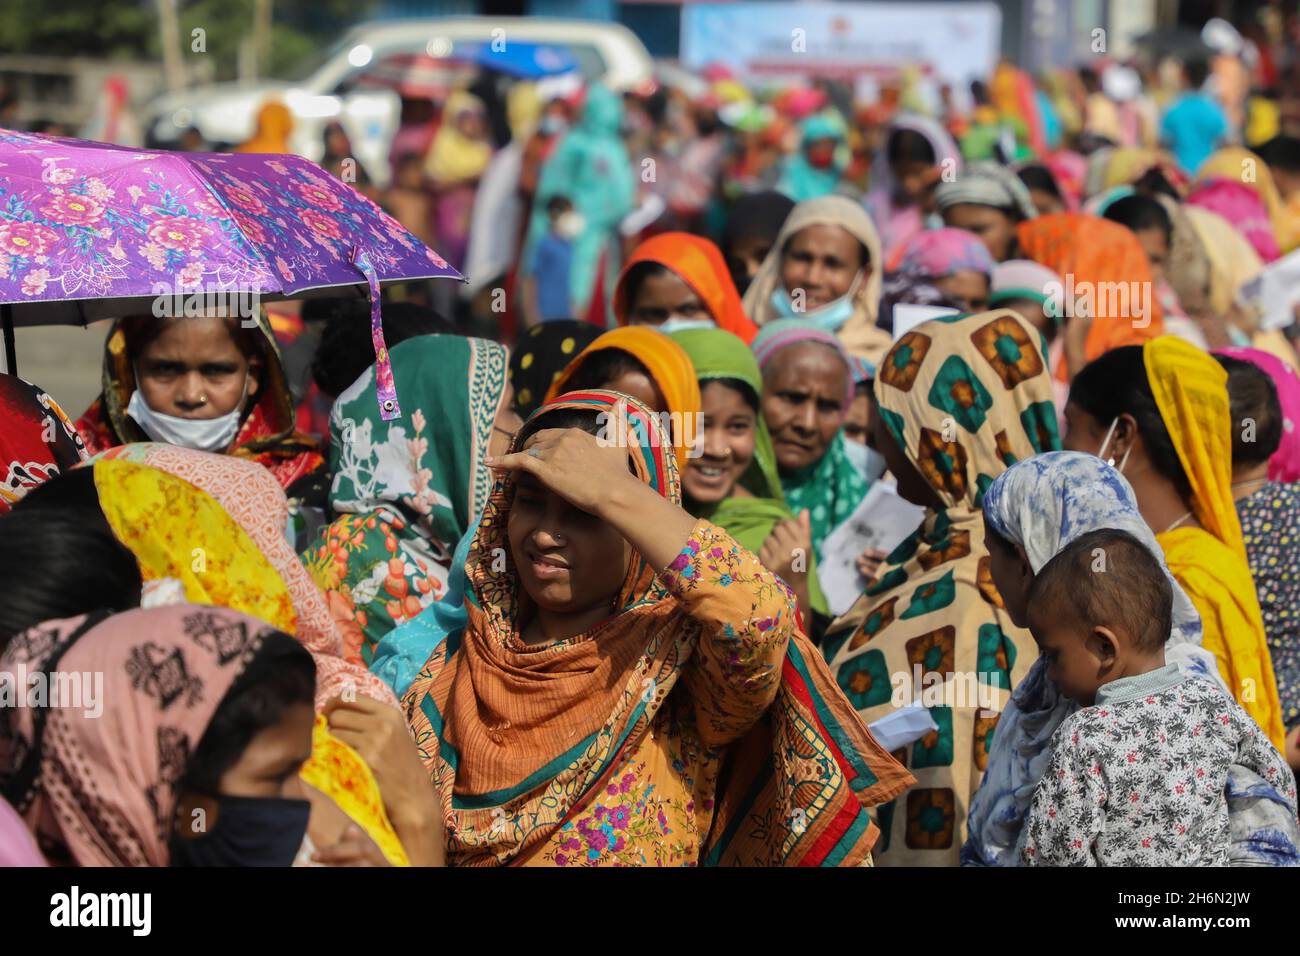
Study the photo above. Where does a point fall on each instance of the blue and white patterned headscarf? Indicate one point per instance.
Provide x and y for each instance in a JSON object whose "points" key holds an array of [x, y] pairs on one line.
{"points": [[1042, 504]]}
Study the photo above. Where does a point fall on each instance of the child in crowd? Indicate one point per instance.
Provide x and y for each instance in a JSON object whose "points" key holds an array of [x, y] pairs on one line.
{"points": [[1137, 775], [549, 270]]}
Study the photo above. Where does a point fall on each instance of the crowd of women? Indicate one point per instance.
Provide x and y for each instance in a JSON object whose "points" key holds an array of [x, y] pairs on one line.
{"points": [[566, 610]]}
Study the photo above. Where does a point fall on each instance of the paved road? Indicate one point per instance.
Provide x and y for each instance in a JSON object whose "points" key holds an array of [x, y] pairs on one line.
{"points": [[64, 360]]}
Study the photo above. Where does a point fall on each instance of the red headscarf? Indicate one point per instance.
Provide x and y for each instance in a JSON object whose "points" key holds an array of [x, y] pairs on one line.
{"points": [[699, 264], [37, 441]]}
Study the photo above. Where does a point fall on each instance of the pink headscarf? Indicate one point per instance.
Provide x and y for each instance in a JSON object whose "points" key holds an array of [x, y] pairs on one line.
{"points": [[1285, 463], [251, 495], [102, 790], [1070, 170], [1241, 206], [783, 333], [937, 253]]}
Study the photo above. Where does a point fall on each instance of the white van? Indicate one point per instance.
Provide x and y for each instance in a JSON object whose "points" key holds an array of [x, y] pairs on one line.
{"points": [[333, 88]]}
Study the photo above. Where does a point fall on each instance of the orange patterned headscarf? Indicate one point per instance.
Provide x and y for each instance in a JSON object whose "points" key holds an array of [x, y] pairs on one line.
{"points": [[1097, 254], [699, 264]]}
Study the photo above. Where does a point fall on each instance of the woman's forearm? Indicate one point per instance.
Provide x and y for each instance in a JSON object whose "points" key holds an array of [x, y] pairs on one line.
{"points": [[652, 524]]}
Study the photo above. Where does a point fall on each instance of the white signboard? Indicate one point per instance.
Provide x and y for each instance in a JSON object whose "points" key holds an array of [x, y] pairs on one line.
{"points": [[952, 42]]}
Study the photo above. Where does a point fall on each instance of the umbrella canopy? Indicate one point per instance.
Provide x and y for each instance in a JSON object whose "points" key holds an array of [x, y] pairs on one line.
{"points": [[527, 61], [91, 231]]}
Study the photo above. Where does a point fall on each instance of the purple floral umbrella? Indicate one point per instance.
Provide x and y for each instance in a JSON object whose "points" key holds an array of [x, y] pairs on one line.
{"points": [[91, 231]]}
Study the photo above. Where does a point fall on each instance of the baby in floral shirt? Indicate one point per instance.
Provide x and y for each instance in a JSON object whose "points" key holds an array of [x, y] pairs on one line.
{"points": [[1137, 775]]}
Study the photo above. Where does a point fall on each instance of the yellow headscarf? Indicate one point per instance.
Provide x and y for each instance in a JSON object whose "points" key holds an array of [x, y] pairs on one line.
{"points": [[455, 158], [1240, 165], [523, 110], [1124, 164], [1191, 393], [176, 530], [669, 366], [1233, 260]]}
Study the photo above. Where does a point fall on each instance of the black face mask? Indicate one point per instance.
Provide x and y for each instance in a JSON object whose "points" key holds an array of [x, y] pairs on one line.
{"points": [[250, 831]]}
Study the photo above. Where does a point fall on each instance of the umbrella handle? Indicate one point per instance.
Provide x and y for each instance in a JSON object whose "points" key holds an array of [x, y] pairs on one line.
{"points": [[385, 387], [11, 353]]}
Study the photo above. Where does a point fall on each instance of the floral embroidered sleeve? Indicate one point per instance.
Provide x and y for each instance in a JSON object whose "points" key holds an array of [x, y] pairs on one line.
{"points": [[748, 615], [1069, 808]]}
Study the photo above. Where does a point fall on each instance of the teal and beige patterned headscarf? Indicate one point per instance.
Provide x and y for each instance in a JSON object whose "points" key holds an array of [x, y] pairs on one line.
{"points": [[407, 490], [965, 397]]}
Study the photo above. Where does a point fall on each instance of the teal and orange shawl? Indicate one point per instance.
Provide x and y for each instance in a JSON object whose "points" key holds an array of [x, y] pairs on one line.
{"points": [[793, 790]]}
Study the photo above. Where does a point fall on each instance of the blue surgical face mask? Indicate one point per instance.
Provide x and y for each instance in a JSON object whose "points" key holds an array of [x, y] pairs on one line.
{"points": [[868, 462], [829, 317], [679, 324]]}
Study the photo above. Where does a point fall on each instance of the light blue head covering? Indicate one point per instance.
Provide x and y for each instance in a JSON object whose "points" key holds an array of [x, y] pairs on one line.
{"points": [[1042, 504], [401, 653]]}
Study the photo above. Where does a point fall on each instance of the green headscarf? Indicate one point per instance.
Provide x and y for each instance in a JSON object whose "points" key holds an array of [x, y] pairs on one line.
{"points": [[716, 354], [406, 491]]}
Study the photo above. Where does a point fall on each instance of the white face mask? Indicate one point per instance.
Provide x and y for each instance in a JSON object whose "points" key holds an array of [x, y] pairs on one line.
{"points": [[569, 225], [678, 323], [200, 434], [869, 462]]}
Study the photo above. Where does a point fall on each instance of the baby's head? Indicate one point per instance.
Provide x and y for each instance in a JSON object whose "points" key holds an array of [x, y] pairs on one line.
{"points": [[1100, 610]]}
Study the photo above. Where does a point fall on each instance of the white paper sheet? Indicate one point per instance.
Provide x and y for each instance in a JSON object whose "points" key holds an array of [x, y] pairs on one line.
{"points": [[904, 726], [882, 520], [908, 316], [1274, 292]]}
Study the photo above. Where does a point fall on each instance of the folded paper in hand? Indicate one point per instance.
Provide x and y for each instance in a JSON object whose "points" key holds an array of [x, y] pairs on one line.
{"points": [[882, 520]]}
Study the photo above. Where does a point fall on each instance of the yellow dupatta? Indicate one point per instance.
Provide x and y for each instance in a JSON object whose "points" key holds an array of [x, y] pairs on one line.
{"points": [[176, 530], [1190, 389]]}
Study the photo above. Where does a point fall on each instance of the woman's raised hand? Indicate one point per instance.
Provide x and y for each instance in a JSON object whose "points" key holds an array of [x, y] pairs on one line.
{"points": [[577, 466], [380, 736]]}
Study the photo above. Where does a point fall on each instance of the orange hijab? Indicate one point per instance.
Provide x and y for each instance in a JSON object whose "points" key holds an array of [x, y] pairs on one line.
{"points": [[274, 125], [699, 264], [1097, 253], [667, 363]]}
